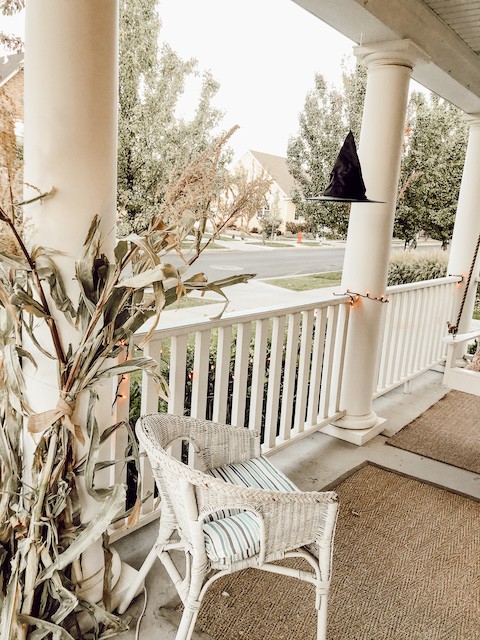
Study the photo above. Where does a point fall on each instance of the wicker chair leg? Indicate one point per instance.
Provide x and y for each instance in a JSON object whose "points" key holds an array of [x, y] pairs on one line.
{"points": [[139, 580], [187, 624], [192, 605], [322, 618]]}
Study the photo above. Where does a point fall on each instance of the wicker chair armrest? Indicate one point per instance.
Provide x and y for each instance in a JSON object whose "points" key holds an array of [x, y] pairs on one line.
{"points": [[216, 444], [288, 519]]}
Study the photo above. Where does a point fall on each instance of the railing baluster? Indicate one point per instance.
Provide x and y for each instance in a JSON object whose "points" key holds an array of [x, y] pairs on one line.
{"points": [[317, 362], [289, 375], [176, 382], [339, 359], [222, 374], [258, 374], [274, 381], [242, 353], [326, 385], [200, 374], [393, 345], [414, 311], [304, 367], [149, 404], [177, 374], [386, 345]]}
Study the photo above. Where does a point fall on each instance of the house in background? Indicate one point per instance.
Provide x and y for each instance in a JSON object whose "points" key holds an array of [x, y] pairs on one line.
{"points": [[11, 121], [280, 195], [11, 83]]}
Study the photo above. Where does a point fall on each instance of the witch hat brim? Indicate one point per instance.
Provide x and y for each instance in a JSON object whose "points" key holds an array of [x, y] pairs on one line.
{"points": [[346, 181]]}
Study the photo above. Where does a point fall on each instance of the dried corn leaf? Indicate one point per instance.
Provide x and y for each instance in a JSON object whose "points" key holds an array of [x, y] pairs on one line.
{"points": [[47, 270], [57, 632], [144, 279], [22, 299], [144, 243], [14, 261], [94, 529], [10, 603]]}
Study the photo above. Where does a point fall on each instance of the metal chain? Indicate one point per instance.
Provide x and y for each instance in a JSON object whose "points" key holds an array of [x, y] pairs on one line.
{"points": [[453, 329]]}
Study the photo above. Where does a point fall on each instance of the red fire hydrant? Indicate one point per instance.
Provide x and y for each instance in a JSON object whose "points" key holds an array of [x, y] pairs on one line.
{"points": [[299, 238]]}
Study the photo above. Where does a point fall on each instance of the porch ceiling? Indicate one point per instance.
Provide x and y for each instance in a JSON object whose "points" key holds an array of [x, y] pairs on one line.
{"points": [[448, 31]]}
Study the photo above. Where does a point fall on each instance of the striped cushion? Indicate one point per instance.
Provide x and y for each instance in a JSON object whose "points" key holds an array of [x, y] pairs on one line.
{"points": [[257, 472], [234, 538], [232, 535]]}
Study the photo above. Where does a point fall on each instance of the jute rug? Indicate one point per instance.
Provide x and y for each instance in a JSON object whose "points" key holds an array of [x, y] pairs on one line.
{"points": [[406, 567], [449, 431]]}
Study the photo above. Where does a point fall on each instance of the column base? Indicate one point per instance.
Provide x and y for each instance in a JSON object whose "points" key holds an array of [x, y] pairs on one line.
{"points": [[128, 576], [124, 577], [343, 430]]}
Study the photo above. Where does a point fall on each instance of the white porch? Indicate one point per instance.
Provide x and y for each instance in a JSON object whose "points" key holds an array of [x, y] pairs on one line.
{"points": [[345, 359]]}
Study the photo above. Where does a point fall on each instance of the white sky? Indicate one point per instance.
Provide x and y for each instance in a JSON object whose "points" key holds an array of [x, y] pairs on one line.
{"points": [[264, 54]]}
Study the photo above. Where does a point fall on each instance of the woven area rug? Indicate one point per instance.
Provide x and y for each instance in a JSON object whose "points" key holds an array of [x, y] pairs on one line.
{"points": [[449, 432], [406, 567]]}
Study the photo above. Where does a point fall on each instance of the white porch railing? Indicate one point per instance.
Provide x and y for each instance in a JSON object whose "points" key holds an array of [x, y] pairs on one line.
{"points": [[279, 369], [415, 322]]}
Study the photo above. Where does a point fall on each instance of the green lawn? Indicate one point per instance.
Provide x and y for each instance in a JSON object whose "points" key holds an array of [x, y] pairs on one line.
{"points": [[305, 283]]}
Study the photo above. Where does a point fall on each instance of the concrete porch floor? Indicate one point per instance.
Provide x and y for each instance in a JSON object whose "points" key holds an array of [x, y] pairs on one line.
{"points": [[312, 463]]}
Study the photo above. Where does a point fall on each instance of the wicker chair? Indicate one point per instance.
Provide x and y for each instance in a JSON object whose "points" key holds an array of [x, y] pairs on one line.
{"points": [[237, 511]]}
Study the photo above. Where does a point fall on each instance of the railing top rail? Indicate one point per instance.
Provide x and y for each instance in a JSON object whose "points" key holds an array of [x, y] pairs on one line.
{"points": [[411, 286], [186, 325]]}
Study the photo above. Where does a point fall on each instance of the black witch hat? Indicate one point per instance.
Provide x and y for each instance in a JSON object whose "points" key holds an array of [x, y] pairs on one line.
{"points": [[346, 182]]}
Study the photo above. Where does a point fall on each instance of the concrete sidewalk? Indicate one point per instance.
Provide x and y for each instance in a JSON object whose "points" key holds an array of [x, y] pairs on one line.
{"points": [[255, 294]]}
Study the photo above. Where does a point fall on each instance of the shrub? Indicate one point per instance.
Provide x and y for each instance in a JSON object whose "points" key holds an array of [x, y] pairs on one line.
{"points": [[296, 227], [414, 267]]}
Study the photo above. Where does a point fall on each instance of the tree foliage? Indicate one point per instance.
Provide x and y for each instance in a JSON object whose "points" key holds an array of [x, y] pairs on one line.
{"points": [[8, 41], [431, 169], [153, 139], [431, 166], [323, 124]]}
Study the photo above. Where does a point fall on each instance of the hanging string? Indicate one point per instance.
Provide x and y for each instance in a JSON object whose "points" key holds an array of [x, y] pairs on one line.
{"points": [[354, 296], [453, 329]]}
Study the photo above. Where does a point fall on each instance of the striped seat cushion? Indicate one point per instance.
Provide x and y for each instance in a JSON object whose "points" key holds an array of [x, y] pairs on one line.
{"points": [[232, 535], [233, 538], [257, 472]]}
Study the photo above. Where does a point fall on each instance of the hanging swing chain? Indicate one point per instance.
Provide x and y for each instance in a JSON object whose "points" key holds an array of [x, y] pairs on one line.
{"points": [[453, 329]]}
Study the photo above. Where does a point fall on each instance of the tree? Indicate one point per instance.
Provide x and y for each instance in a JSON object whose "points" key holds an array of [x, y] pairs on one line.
{"points": [[323, 124], [153, 141], [8, 41], [270, 218], [431, 169]]}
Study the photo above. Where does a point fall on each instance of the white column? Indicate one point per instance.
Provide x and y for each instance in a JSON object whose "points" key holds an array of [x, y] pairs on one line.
{"points": [[370, 227], [71, 98], [466, 231]]}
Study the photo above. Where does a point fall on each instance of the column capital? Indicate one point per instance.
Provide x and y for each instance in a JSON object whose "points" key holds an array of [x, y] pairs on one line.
{"points": [[472, 119], [402, 53]]}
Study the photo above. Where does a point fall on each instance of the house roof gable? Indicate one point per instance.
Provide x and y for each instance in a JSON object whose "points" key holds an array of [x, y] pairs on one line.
{"points": [[9, 65], [277, 168]]}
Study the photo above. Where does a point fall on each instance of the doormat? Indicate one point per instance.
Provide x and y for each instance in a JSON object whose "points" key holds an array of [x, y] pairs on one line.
{"points": [[449, 431], [406, 567]]}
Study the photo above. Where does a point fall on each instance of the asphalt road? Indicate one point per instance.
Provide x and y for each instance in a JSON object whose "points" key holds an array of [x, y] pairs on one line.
{"points": [[274, 263], [269, 264]]}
